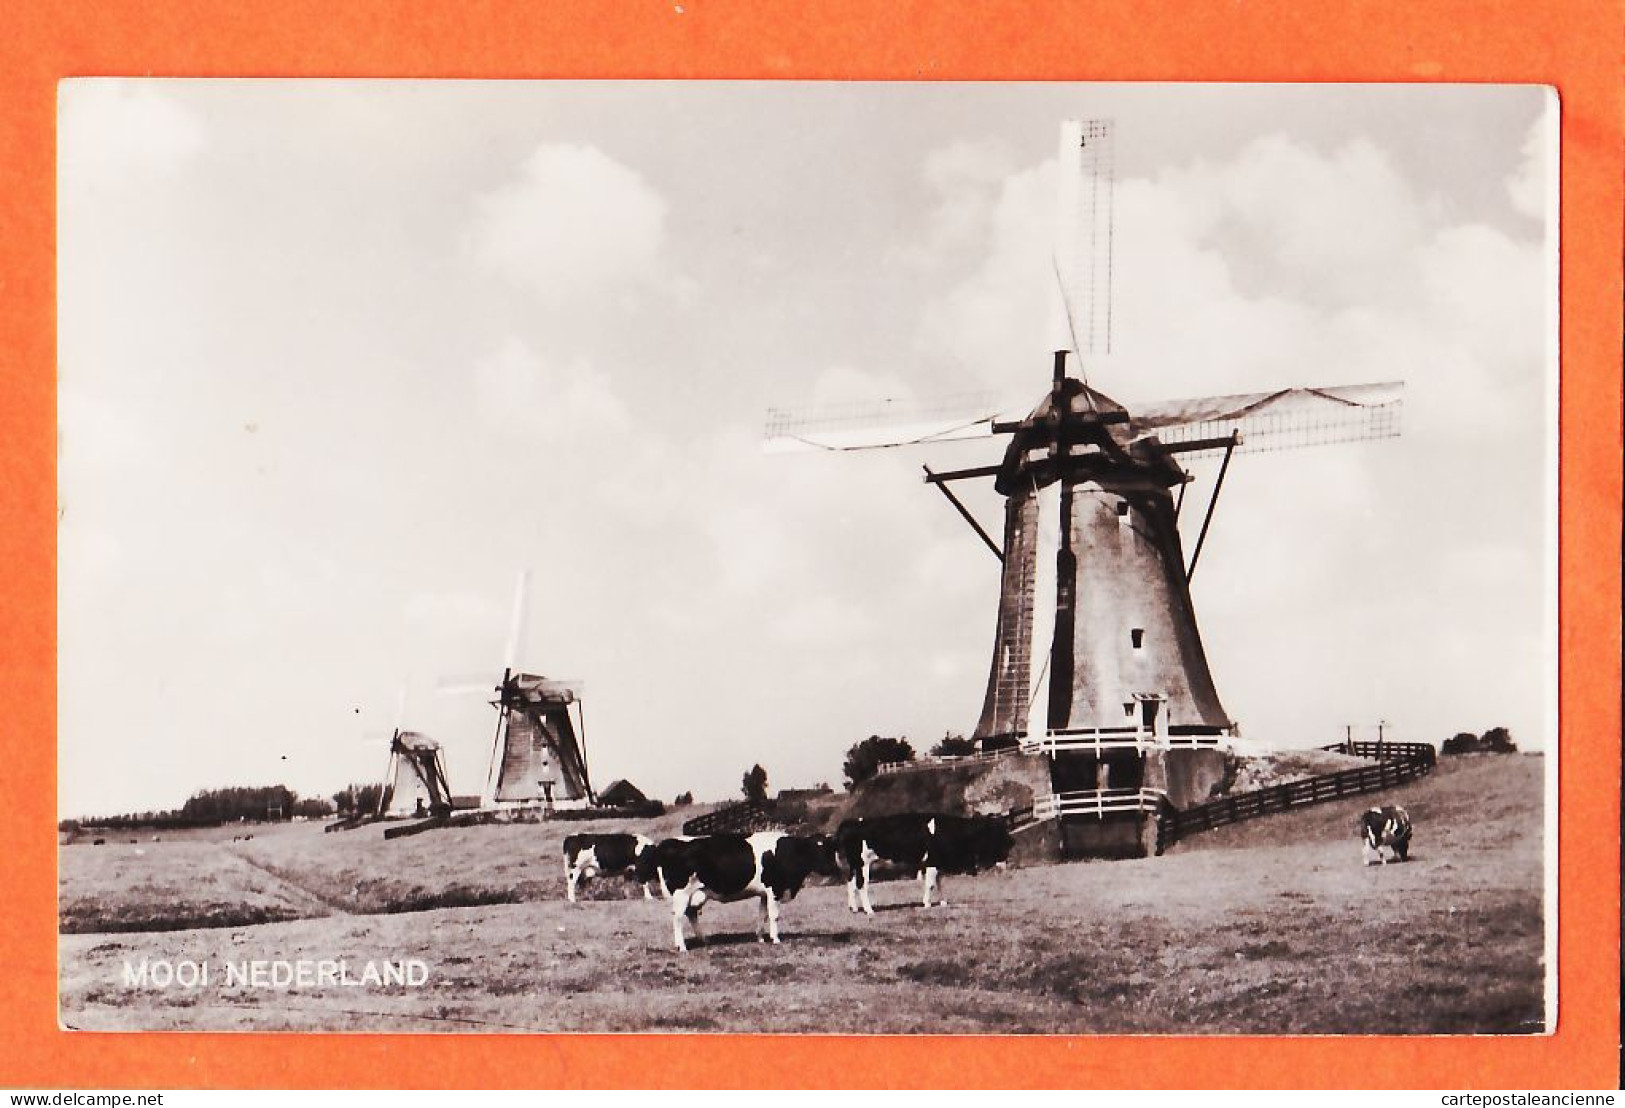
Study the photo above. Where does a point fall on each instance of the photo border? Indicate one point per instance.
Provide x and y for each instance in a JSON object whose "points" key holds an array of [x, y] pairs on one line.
{"points": [[1572, 47]]}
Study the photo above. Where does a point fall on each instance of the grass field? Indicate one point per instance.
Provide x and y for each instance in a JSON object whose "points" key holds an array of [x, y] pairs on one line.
{"points": [[1271, 926]]}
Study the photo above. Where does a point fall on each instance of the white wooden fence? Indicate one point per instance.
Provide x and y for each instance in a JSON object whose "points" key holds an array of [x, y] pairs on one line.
{"points": [[1097, 802], [933, 761], [1097, 739]]}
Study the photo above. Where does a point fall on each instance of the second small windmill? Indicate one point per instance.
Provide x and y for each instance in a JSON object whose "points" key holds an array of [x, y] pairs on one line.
{"points": [[538, 754]]}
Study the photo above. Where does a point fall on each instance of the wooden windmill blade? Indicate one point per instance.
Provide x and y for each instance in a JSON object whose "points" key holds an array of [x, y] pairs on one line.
{"points": [[1085, 180], [1285, 419], [884, 424], [393, 743]]}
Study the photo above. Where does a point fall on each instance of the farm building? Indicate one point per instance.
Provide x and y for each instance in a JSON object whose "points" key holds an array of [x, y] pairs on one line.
{"points": [[621, 794]]}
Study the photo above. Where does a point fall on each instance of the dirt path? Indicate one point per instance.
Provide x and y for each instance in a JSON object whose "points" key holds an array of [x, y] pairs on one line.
{"points": [[309, 898]]}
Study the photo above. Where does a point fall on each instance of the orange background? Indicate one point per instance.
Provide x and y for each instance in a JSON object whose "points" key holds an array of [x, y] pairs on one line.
{"points": [[1576, 47]]}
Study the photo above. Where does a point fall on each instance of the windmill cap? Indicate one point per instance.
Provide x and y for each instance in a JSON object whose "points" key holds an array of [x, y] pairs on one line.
{"points": [[416, 740], [545, 690], [1085, 418]]}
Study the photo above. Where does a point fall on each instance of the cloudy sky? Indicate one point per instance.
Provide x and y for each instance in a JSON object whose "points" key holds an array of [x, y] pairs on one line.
{"points": [[338, 359]]}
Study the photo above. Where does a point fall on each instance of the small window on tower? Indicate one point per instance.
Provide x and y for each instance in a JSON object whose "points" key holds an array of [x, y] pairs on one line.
{"points": [[1128, 708], [1137, 637], [1122, 508]]}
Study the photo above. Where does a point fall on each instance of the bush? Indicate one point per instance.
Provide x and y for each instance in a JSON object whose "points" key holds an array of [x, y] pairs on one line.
{"points": [[863, 759], [754, 785], [358, 799], [1463, 742], [953, 746], [1497, 740], [240, 803]]}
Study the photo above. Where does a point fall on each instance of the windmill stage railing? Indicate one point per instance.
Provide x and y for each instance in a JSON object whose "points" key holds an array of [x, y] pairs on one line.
{"points": [[1097, 739], [937, 761], [1098, 802]]}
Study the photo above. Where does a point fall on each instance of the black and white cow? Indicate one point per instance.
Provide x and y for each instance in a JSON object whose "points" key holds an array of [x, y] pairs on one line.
{"points": [[589, 855], [928, 844], [1388, 826], [769, 865]]}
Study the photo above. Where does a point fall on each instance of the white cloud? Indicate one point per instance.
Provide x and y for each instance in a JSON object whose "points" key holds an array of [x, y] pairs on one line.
{"points": [[1527, 188], [517, 390], [115, 132], [1484, 288], [964, 175], [1003, 308], [1326, 226], [575, 225]]}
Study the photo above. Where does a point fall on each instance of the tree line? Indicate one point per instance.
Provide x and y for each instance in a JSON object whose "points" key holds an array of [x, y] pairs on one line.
{"points": [[1497, 740], [863, 761]]}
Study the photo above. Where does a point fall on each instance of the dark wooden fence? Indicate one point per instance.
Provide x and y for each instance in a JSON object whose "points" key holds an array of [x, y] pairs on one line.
{"points": [[743, 818], [1388, 751], [1017, 818], [1400, 762]]}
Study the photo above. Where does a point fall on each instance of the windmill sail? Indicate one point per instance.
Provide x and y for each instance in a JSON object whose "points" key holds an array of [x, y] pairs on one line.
{"points": [[1083, 245], [883, 424], [1285, 419]]}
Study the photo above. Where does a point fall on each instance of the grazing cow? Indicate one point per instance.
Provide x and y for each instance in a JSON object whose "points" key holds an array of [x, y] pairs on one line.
{"points": [[928, 844], [590, 855], [769, 865], [1388, 826]]}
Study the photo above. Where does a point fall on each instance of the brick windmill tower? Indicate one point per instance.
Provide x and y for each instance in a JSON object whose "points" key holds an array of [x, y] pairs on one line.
{"points": [[1098, 663]]}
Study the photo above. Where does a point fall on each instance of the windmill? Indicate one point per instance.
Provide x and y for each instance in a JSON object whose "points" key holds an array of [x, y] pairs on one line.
{"points": [[1097, 660], [538, 754], [415, 781]]}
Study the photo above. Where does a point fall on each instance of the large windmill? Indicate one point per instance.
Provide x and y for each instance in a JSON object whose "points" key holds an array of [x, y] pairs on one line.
{"points": [[538, 754], [1097, 659]]}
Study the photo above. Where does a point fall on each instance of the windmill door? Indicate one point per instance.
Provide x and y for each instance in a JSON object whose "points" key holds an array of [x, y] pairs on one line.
{"points": [[1153, 720]]}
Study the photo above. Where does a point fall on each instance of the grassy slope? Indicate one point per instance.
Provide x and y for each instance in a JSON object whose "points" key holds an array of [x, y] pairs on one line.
{"points": [[298, 871], [1271, 926]]}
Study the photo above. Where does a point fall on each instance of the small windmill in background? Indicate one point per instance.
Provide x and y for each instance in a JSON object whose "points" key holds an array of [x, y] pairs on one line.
{"points": [[538, 754], [414, 782]]}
